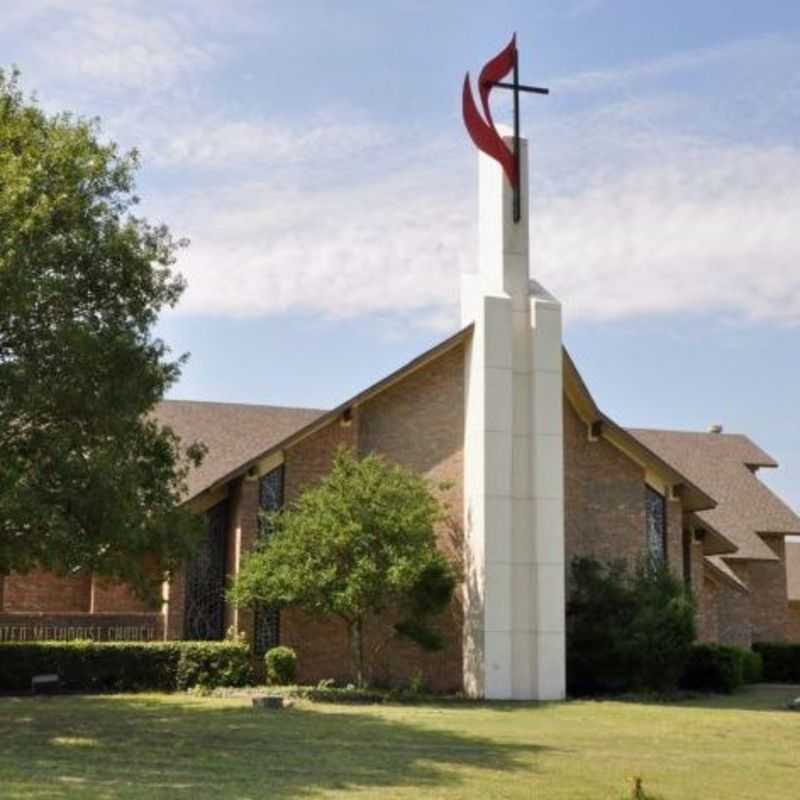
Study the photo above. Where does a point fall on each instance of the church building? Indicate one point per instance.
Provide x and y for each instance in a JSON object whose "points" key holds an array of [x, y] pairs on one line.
{"points": [[537, 474]]}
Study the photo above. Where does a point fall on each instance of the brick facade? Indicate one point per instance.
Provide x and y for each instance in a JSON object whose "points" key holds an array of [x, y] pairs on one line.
{"points": [[793, 622], [605, 501], [419, 424], [604, 496], [734, 608], [769, 603], [45, 591]]}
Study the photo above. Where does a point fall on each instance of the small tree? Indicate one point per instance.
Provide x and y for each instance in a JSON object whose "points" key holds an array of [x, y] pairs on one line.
{"points": [[360, 542]]}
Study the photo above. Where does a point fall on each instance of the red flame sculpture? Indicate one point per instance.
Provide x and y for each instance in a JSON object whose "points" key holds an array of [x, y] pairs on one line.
{"points": [[482, 131]]}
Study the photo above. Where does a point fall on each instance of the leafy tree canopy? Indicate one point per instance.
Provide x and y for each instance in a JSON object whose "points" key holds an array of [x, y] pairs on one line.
{"points": [[88, 479], [361, 542]]}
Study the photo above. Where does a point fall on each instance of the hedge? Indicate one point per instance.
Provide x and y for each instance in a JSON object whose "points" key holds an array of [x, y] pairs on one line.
{"points": [[781, 661], [126, 666], [714, 668]]}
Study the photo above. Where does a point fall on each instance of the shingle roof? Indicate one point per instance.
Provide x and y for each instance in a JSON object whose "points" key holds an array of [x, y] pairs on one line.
{"points": [[793, 570], [719, 464], [234, 433]]}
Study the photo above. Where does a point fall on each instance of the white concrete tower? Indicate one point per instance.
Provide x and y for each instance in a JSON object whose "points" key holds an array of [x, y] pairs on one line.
{"points": [[513, 460]]}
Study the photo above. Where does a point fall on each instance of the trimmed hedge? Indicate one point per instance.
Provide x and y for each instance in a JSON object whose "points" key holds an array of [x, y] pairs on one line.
{"points": [[126, 666], [781, 661], [721, 668]]}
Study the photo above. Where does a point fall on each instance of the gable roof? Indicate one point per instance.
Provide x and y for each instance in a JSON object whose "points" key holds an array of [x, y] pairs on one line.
{"points": [[693, 496], [723, 465], [240, 436], [233, 433]]}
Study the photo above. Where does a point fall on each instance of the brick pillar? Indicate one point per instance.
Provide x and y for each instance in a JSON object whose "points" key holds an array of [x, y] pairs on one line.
{"points": [[242, 533], [674, 543]]}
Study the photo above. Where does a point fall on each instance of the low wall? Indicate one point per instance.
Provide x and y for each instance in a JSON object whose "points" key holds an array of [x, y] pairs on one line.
{"points": [[141, 627]]}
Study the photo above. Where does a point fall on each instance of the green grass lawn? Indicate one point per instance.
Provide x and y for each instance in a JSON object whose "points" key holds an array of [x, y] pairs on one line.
{"points": [[178, 746]]}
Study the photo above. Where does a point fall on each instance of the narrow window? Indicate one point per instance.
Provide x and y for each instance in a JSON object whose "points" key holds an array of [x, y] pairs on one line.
{"points": [[268, 620], [656, 520]]}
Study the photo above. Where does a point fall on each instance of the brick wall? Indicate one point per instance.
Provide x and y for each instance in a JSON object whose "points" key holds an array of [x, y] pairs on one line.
{"points": [[604, 490], [110, 597], [45, 591], [418, 423], [733, 608], [769, 602], [707, 614], [793, 622]]}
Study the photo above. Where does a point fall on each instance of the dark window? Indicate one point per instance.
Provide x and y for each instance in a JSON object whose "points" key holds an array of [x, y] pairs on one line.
{"points": [[267, 620], [204, 610], [656, 517]]}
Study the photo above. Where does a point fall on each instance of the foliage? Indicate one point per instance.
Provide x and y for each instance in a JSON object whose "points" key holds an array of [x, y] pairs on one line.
{"points": [[359, 543], [125, 666], [280, 665], [626, 630], [781, 661], [752, 667], [714, 668], [88, 479]]}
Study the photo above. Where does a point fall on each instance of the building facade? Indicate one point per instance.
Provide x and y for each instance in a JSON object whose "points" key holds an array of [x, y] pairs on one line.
{"points": [[536, 474]]}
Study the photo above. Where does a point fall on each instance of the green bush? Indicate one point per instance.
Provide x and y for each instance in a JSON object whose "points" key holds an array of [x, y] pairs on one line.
{"points": [[781, 661], [715, 668], [125, 666], [280, 664], [752, 667], [626, 630]]}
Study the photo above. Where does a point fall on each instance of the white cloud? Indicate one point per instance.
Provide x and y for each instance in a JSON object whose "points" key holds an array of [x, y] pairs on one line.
{"points": [[714, 231], [123, 48]]}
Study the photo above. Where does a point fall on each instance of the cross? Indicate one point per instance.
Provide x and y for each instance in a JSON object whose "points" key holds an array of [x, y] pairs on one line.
{"points": [[517, 87], [481, 128]]}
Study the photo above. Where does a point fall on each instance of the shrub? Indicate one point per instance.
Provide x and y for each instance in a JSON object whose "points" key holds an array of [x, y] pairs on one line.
{"points": [[781, 661], [752, 667], [281, 665], [125, 666], [626, 630], [714, 668]]}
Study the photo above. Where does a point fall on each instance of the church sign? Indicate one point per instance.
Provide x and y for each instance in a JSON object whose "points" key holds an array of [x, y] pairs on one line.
{"points": [[76, 627]]}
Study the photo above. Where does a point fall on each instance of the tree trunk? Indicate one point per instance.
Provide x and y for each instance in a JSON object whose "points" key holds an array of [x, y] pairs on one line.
{"points": [[356, 633]]}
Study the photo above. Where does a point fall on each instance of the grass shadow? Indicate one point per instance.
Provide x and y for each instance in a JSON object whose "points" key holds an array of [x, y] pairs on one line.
{"points": [[151, 746]]}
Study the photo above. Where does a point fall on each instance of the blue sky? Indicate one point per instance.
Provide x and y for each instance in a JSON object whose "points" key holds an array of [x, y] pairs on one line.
{"points": [[315, 156]]}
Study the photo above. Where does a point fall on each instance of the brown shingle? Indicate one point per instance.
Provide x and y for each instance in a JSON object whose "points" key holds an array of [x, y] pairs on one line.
{"points": [[234, 433], [719, 464]]}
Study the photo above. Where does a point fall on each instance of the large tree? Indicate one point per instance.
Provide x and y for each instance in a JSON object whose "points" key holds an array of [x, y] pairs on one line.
{"points": [[360, 543], [88, 479]]}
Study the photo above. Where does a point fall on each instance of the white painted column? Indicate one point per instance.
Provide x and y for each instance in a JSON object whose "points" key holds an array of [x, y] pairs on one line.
{"points": [[513, 461]]}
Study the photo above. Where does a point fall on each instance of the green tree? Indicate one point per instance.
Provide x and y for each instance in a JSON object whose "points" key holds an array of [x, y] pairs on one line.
{"points": [[361, 542], [88, 479]]}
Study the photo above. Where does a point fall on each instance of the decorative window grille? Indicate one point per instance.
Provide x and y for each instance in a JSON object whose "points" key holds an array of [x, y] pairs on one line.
{"points": [[204, 611], [656, 517], [267, 620]]}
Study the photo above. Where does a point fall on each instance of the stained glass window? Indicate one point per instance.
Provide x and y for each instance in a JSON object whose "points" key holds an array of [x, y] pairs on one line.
{"points": [[204, 609], [656, 520], [267, 620]]}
